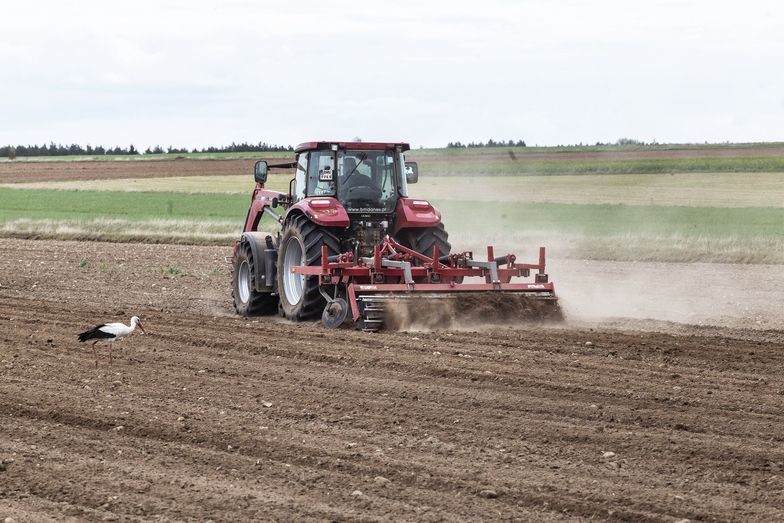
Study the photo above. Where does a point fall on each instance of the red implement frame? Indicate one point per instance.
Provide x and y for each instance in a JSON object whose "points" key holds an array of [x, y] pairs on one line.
{"points": [[391, 271]]}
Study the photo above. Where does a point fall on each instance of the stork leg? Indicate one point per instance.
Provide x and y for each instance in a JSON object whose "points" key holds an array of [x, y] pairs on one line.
{"points": [[110, 354], [95, 354]]}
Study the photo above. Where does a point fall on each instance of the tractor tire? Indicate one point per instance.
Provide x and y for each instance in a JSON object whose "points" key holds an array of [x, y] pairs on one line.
{"points": [[423, 240], [247, 300], [300, 244]]}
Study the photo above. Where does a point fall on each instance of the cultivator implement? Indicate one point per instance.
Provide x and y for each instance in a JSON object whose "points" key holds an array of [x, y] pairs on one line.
{"points": [[399, 285]]}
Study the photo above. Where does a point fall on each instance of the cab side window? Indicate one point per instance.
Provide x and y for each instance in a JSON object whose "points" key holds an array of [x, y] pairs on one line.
{"points": [[321, 175], [302, 169]]}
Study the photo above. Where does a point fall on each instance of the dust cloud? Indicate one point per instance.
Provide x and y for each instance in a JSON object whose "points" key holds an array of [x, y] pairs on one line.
{"points": [[472, 311], [595, 291], [710, 294], [604, 278]]}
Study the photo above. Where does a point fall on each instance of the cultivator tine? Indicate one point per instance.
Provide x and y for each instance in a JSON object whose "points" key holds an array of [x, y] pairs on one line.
{"points": [[372, 312]]}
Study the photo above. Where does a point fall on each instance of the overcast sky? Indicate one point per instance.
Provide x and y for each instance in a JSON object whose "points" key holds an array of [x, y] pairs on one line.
{"points": [[195, 73]]}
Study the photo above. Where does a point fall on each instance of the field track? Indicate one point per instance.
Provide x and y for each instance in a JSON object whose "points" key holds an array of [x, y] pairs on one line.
{"points": [[216, 417]]}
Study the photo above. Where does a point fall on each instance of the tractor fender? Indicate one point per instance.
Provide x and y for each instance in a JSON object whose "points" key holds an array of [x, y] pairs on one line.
{"points": [[415, 213], [321, 210], [265, 260]]}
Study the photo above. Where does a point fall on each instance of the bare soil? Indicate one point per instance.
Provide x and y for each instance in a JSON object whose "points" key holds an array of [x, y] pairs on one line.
{"points": [[215, 417], [21, 172]]}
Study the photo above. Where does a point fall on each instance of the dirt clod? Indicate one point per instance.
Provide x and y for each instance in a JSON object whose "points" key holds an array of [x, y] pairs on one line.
{"points": [[381, 481]]}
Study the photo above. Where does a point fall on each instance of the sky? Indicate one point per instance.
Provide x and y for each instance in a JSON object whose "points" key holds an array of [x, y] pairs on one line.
{"points": [[197, 73]]}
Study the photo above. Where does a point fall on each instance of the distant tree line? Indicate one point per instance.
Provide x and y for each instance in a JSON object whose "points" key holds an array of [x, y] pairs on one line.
{"points": [[628, 141], [246, 147], [489, 143], [521, 143], [54, 149]]}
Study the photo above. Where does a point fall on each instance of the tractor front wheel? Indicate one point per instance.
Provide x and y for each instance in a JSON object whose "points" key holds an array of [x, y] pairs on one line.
{"points": [[247, 300], [300, 244]]}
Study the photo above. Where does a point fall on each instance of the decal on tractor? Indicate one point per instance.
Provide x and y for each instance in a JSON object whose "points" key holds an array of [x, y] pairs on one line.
{"points": [[325, 174]]}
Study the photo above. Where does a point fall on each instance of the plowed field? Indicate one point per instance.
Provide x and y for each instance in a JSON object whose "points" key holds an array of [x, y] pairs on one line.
{"points": [[19, 172], [211, 416]]}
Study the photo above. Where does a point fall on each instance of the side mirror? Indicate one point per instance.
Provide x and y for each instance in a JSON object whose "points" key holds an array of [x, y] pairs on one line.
{"points": [[260, 171], [412, 172]]}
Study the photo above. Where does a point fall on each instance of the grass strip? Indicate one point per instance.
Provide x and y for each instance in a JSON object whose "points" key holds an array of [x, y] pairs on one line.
{"points": [[565, 166]]}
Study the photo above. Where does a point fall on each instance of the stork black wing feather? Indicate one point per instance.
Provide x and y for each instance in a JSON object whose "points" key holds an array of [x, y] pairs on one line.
{"points": [[95, 334]]}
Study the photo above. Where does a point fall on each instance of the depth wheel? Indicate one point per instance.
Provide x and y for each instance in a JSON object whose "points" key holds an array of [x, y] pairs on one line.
{"points": [[247, 300], [300, 244], [335, 313]]}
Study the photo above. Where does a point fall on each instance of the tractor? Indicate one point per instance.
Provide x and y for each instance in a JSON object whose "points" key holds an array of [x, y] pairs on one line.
{"points": [[351, 239]]}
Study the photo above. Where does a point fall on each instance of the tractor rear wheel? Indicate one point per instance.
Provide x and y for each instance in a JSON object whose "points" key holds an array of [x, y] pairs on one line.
{"points": [[247, 300], [300, 244], [423, 240]]}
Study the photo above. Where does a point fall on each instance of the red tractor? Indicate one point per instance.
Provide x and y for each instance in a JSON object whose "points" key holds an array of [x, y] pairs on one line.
{"points": [[351, 238]]}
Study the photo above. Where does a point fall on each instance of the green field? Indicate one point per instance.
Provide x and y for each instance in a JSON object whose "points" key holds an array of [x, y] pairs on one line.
{"points": [[685, 233], [682, 189], [54, 204], [720, 208], [567, 166]]}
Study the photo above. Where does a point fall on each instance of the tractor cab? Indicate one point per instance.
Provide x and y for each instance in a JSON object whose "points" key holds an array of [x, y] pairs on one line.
{"points": [[360, 181], [363, 177]]}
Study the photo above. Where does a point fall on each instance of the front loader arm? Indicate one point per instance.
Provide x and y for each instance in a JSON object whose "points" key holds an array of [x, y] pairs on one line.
{"points": [[261, 202]]}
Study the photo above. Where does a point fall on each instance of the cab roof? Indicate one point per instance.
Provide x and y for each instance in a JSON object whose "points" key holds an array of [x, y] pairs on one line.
{"points": [[362, 146]]}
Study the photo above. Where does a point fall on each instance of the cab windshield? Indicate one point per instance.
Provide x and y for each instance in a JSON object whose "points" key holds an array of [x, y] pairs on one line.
{"points": [[366, 180]]}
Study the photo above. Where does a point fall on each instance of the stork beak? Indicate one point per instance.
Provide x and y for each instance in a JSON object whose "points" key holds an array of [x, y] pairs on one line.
{"points": [[142, 328]]}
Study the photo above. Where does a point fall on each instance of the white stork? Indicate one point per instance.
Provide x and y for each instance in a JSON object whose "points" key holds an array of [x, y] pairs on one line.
{"points": [[109, 333]]}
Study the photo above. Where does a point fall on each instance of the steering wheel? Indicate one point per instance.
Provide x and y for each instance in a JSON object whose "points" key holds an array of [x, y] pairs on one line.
{"points": [[364, 192]]}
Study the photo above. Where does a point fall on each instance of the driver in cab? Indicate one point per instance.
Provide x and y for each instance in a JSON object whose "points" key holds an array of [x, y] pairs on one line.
{"points": [[352, 175]]}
